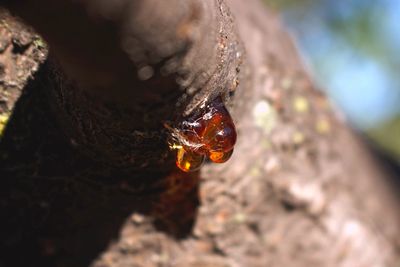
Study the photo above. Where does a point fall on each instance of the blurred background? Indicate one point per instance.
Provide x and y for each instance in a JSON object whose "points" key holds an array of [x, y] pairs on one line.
{"points": [[352, 49]]}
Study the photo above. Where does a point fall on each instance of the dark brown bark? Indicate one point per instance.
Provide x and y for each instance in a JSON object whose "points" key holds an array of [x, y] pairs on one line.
{"points": [[188, 50], [300, 190]]}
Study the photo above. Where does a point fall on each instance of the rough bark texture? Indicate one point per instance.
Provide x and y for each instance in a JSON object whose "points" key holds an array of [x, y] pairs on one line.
{"points": [[131, 67], [300, 189]]}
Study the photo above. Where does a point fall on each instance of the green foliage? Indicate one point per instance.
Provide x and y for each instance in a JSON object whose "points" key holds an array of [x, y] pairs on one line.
{"points": [[387, 136]]}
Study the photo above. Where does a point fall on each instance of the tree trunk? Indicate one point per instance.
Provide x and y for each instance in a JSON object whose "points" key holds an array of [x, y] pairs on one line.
{"points": [[299, 190]]}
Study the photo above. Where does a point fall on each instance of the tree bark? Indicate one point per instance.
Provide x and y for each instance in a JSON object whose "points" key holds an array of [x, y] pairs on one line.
{"points": [[153, 62], [300, 189]]}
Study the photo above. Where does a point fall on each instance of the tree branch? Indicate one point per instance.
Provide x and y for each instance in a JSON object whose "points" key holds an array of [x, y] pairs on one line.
{"points": [[131, 66]]}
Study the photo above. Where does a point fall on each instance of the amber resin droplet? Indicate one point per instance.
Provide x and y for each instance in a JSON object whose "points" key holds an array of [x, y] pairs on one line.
{"points": [[220, 137], [212, 129], [220, 133], [189, 161], [210, 132], [192, 131], [220, 157]]}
